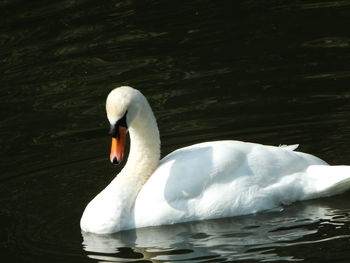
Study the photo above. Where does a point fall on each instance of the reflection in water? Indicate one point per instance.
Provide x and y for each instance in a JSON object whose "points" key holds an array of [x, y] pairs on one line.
{"points": [[256, 237]]}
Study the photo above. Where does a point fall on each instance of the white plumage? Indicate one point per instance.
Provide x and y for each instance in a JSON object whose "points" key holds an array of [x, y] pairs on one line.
{"points": [[202, 181]]}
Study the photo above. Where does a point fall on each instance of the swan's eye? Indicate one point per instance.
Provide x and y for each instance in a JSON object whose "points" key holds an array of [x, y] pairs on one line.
{"points": [[114, 130], [122, 121]]}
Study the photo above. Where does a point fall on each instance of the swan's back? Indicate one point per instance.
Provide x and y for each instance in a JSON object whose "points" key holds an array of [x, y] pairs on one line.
{"points": [[226, 178]]}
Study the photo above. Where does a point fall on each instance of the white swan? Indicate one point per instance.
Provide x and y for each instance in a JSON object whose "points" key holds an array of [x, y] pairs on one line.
{"points": [[202, 181]]}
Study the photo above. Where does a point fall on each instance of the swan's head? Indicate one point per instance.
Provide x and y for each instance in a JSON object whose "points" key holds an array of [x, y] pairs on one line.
{"points": [[123, 105]]}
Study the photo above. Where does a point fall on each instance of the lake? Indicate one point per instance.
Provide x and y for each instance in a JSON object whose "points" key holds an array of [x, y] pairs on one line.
{"points": [[272, 72]]}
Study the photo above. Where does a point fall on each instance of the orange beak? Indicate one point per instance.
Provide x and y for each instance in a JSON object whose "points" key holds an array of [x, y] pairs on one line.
{"points": [[118, 145]]}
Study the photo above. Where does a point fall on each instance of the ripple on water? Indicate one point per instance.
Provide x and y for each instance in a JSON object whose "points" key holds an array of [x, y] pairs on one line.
{"points": [[38, 238], [41, 221]]}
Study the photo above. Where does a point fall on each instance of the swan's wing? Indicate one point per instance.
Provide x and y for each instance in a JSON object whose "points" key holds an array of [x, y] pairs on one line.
{"points": [[216, 179]]}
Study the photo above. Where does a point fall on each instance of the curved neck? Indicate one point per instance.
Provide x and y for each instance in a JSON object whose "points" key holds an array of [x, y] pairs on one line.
{"points": [[144, 147], [142, 161]]}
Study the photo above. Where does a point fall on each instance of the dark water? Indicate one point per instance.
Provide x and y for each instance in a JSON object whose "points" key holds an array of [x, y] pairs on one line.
{"points": [[272, 72]]}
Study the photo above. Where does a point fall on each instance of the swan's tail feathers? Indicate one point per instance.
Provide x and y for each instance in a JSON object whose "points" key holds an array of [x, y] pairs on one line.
{"points": [[289, 147], [325, 180]]}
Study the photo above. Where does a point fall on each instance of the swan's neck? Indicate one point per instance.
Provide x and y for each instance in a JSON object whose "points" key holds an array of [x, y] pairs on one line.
{"points": [[144, 150], [142, 161]]}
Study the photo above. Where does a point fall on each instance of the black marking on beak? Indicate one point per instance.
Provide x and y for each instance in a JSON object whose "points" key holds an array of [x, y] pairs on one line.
{"points": [[115, 160], [114, 130]]}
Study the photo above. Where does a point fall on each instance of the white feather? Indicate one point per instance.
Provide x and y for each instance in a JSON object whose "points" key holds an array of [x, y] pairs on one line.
{"points": [[202, 181]]}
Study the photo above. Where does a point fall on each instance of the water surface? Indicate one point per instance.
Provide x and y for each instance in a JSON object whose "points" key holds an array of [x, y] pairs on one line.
{"points": [[272, 73]]}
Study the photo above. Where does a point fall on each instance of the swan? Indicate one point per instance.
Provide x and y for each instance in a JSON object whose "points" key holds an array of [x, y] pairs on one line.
{"points": [[203, 181]]}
